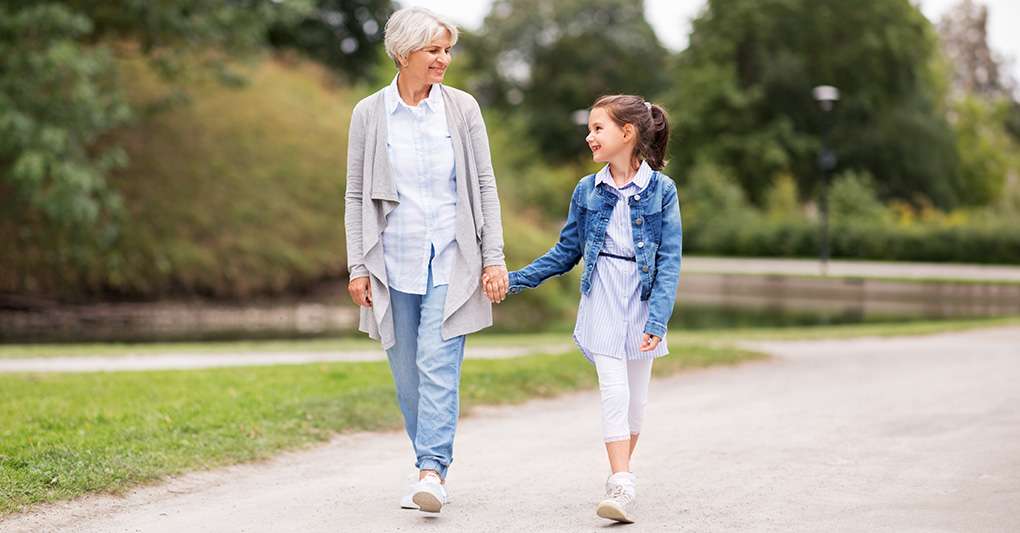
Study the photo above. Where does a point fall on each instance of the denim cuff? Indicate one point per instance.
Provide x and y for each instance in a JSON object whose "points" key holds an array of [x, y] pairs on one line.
{"points": [[432, 464], [655, 328]]}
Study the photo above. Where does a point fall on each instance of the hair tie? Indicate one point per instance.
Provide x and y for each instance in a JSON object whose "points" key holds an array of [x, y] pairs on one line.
{"points": [[648, 105]]}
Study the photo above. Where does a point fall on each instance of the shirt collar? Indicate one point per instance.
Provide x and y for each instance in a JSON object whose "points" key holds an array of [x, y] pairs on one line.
{"points": [[393, 102], [641, 179]]}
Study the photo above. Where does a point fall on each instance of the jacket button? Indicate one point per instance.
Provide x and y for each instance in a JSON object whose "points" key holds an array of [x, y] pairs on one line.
{"points": [[637, 222], [640, 245], [637, 197], [644, 269]]}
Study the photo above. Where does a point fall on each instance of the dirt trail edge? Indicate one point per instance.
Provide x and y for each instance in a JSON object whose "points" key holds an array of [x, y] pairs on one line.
{"points": [[902, 434]]}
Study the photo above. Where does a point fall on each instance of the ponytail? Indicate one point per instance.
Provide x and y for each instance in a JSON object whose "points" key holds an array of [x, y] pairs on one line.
{"points": [[656, 139]]}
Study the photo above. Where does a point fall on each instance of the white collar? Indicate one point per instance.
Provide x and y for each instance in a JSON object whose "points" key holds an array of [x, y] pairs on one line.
{"points": [[641, 179], [434, 102]]}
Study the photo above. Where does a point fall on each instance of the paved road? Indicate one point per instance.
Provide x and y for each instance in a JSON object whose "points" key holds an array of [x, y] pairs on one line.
{"points": [[853, 269], [899, 435]]}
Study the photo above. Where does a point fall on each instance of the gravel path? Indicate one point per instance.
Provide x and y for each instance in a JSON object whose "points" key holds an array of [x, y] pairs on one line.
{"points": [[168, 361], [853, 269], [898, 435]]}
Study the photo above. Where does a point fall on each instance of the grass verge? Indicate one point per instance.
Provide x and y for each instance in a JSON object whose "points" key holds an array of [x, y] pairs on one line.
{"points": [[65, 435]]}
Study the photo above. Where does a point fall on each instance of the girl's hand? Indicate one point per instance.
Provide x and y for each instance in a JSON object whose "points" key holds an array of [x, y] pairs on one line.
{"points": [[361, 291], [649, 343], [495, 283]]}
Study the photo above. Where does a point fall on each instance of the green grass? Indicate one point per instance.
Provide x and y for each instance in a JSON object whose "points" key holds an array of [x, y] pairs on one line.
{"points": [[64, 435]]}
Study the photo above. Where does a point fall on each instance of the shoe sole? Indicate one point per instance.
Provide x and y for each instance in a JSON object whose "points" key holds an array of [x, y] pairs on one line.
{"points": [[614, 512], [427, 502]]}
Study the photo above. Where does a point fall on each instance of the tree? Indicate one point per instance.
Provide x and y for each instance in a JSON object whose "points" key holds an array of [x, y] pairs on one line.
{"points": [[547, 60], [58, 96], [343, 34], [976, 68], [743, 94]]}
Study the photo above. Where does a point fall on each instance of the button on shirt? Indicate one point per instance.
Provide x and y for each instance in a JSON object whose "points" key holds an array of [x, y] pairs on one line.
{"points": [[422, 160], [611, 317]]}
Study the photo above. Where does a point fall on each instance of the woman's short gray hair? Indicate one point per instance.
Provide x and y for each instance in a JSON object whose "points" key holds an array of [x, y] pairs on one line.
{"points": [[413, 28]]}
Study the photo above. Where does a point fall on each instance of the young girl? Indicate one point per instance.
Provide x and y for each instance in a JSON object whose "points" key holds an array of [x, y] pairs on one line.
{"points": [[624, 222]]}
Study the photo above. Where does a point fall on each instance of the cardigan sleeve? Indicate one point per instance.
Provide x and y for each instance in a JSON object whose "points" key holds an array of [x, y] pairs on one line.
{"points": [[492, 228], [354, 197]]}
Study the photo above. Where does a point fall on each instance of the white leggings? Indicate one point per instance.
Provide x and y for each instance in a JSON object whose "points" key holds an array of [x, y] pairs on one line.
{"points": [[624, 386]]}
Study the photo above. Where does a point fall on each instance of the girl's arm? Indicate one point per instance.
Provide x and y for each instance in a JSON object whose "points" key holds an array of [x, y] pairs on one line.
{"points": [[561, 258], [667, 265]]}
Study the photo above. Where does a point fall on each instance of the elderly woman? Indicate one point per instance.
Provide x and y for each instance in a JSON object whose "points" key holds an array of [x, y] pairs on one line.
{"points": [[422, 222]]}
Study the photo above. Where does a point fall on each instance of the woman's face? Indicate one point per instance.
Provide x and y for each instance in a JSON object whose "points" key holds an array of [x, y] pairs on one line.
{"points": [[428, 65]]}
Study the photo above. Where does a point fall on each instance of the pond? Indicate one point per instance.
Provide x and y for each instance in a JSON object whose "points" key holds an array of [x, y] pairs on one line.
{"points": [[704, 301]]}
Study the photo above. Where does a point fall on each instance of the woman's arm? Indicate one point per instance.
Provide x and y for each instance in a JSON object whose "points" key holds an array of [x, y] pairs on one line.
{"points": [[359, 286], [492, 227]]}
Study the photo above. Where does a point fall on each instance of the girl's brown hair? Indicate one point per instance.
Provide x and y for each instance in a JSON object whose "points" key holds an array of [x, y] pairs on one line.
{"points": [[650, 121]]}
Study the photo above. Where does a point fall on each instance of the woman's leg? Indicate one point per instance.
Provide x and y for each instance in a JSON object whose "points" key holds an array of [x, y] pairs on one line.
{"points": [[438, 366], [402, 356]]}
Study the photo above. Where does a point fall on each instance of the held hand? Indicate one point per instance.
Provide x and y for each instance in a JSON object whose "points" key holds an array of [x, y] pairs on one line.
{"points": [[649, 343], [495, 283], [361, 291]]}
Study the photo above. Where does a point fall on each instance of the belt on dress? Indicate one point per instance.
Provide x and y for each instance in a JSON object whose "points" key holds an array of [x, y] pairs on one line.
{"points": [[614, 256]]}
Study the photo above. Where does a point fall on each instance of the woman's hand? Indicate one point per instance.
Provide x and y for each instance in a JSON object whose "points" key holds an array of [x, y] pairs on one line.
{"points": [[495, 283], [649, 343], [361, 291]]}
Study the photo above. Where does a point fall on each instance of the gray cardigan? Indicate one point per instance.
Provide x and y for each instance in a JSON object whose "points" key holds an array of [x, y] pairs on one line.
{"points": [[372, 194]]}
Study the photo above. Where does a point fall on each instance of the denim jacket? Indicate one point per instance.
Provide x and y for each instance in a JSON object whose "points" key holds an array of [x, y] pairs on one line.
{"points": [[655, 223]]}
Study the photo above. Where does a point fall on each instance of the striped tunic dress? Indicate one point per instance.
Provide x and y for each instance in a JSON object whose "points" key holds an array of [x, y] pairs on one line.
{"points": [[611, 317]]}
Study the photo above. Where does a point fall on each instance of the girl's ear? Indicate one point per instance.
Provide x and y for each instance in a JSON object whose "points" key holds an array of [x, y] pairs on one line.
{"points": [[628, 132]]}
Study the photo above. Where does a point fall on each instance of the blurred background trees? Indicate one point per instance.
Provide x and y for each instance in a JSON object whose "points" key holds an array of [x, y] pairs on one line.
{"points": [[544, 60], [198, 147]]}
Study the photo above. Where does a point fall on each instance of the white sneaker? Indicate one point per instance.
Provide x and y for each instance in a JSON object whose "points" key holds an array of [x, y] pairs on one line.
{"points": [[429, 494], [407, 502], [620, 497]]}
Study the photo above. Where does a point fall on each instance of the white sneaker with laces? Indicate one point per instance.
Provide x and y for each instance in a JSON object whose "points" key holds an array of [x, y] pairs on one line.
{"points": [[407, 502], [620, 497], [429, 494]]}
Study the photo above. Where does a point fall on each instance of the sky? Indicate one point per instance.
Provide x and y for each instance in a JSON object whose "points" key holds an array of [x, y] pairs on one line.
{"points": [[671, 20]]}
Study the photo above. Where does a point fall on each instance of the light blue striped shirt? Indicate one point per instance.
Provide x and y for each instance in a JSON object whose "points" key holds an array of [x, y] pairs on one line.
{"points": [[422, 160], [611, 317]]}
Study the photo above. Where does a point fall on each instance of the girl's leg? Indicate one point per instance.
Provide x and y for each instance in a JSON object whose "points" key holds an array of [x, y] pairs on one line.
{"points": [[639, 374], [614, 385]]}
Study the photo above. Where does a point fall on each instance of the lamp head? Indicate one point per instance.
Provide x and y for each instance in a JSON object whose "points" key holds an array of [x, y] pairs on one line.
{"points": [[826, 95]]}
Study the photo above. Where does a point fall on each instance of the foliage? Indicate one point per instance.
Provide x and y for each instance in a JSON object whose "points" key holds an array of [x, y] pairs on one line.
{"points": [[986, 149], [977, 70], [546, 60], [64, 435], [342, 34], [240, 192], [58, 97], [853, 200], [742, 94]]}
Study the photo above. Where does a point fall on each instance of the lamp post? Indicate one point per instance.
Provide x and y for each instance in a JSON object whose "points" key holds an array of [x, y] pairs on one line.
{"points": [[826, 95]]}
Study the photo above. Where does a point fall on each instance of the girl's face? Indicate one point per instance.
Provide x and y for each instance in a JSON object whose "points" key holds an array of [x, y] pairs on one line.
{"points": [[428, 65], [609, 142]]}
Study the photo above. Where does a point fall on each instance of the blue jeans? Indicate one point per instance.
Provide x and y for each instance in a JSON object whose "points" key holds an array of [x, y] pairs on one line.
{"points": [[426, 371]]}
